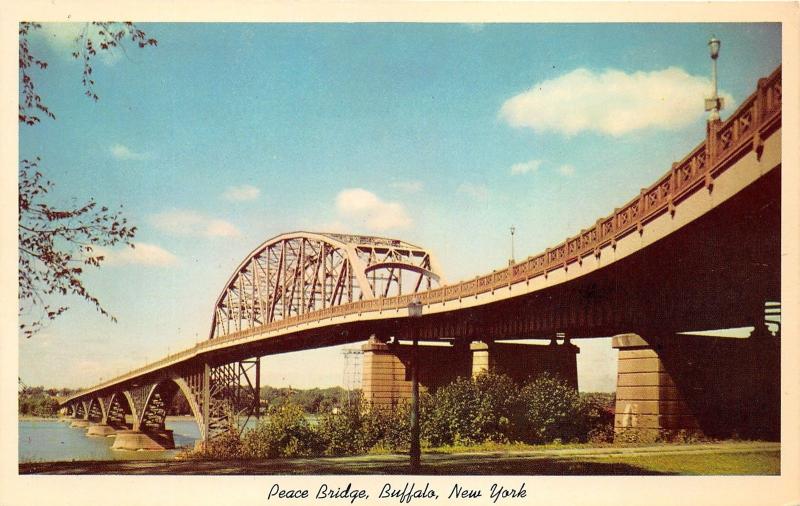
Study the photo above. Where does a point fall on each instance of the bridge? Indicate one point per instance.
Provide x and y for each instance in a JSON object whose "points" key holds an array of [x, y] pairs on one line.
{"points": [[699, 249]]}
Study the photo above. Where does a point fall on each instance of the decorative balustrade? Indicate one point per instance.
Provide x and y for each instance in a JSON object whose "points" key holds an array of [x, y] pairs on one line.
{"points": [[761, 109]]}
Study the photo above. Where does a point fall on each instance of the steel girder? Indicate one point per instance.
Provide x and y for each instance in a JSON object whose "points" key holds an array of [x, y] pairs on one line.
{"points": [[299, 272]]}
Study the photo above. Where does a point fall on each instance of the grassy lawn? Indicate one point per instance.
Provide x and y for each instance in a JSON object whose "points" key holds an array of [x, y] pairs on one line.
{"points": [[700, 459], [740, 463]]}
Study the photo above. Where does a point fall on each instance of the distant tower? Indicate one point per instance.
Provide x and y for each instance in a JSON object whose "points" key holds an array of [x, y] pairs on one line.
{"points": [[352, 373]]}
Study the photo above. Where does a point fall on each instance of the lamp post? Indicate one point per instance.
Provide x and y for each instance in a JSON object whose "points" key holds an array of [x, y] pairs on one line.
{"points": [[512, 229], [414, 312], [715, 102]]}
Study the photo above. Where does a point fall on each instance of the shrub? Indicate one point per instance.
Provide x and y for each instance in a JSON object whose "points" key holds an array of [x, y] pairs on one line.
{"points": [[388, 428], [227, 445], [469, 411], [549, 409], [598, 416], [284, 432], [343, 433]]}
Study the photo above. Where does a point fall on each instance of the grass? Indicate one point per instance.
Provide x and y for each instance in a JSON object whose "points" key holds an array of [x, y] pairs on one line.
{"points": [[743, 463], [730, 458]]}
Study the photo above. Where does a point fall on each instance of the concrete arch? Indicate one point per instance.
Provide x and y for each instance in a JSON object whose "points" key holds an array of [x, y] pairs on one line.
{"points": [[94, 401], [83, 407], [132, 405], [124, 400], [183, 387]]}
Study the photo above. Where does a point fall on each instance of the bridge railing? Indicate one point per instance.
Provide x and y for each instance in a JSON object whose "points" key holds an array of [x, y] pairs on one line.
{"points": [[724, 143]]}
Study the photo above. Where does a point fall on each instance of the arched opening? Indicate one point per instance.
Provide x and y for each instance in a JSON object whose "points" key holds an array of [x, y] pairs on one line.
{"points": [[120, 415], [95, 411], [80, 410], [173, 398]]}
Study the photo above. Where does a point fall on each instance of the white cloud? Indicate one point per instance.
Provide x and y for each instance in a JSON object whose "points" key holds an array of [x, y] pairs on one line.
{"points": [[566, 170], [412, 186], [525, 167], [610, 102], [476, 191], [122, 152], [241, 193], [142, 254], [191, 223], [367, 209], [221, 228], [61, 37]]}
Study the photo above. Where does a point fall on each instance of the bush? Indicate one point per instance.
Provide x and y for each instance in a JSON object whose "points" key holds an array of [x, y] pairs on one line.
{"points": [[388, 428], [549, 409], [226, 445], [598, 416], [343, 433], [470, 411], [284, 432]]}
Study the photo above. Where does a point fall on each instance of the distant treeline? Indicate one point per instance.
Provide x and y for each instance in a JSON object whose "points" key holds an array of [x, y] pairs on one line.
{"points": [[314, 400], [38, 401]]}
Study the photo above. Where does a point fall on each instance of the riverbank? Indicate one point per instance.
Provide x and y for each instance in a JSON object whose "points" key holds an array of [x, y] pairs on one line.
{"points": [[31, 418], [729, 458]]}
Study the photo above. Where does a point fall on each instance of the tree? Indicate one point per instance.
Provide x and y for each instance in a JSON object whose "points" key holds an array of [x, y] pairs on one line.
{"points": [[55, 245]]}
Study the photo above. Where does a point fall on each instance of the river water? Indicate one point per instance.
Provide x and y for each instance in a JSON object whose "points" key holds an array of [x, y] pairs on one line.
{"points": [[53, 440]]}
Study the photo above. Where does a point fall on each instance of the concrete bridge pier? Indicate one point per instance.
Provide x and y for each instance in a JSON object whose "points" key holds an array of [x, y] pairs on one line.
{"points": [[135, 440], [697, 385], [100, 429], [386, 379], [523, 362]]}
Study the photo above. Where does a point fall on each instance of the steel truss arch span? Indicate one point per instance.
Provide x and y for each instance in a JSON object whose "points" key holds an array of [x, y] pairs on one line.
{"points": [[299, 272]]}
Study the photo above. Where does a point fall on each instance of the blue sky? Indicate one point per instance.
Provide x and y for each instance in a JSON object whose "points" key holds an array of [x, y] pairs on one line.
{"points": [[443, 135]]}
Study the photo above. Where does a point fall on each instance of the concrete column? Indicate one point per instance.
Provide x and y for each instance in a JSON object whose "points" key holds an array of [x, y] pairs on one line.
{"points": [[523, 362], [720, 387], [649, 404], [483, 360], [386, 375], [383, 376]]}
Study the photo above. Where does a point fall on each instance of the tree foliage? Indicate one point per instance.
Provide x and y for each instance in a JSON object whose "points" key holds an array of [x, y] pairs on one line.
{"points": [[36, 401], [284, 432], [94, 38], [56, 244]]}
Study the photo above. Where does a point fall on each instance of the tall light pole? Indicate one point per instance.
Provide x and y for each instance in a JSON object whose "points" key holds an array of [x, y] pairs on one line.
{"points": [[414, 312], [715, 102], [512, 229]]}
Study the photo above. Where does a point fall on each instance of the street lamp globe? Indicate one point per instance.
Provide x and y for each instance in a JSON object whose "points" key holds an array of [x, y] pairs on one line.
{"points": [[415, 308], [713, 45]]}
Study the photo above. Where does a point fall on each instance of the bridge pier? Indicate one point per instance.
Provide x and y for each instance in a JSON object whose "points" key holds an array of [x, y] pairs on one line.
{"points": [[386, 379], [526, 361], [135, 440], [100, 429], [717, 387]]}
